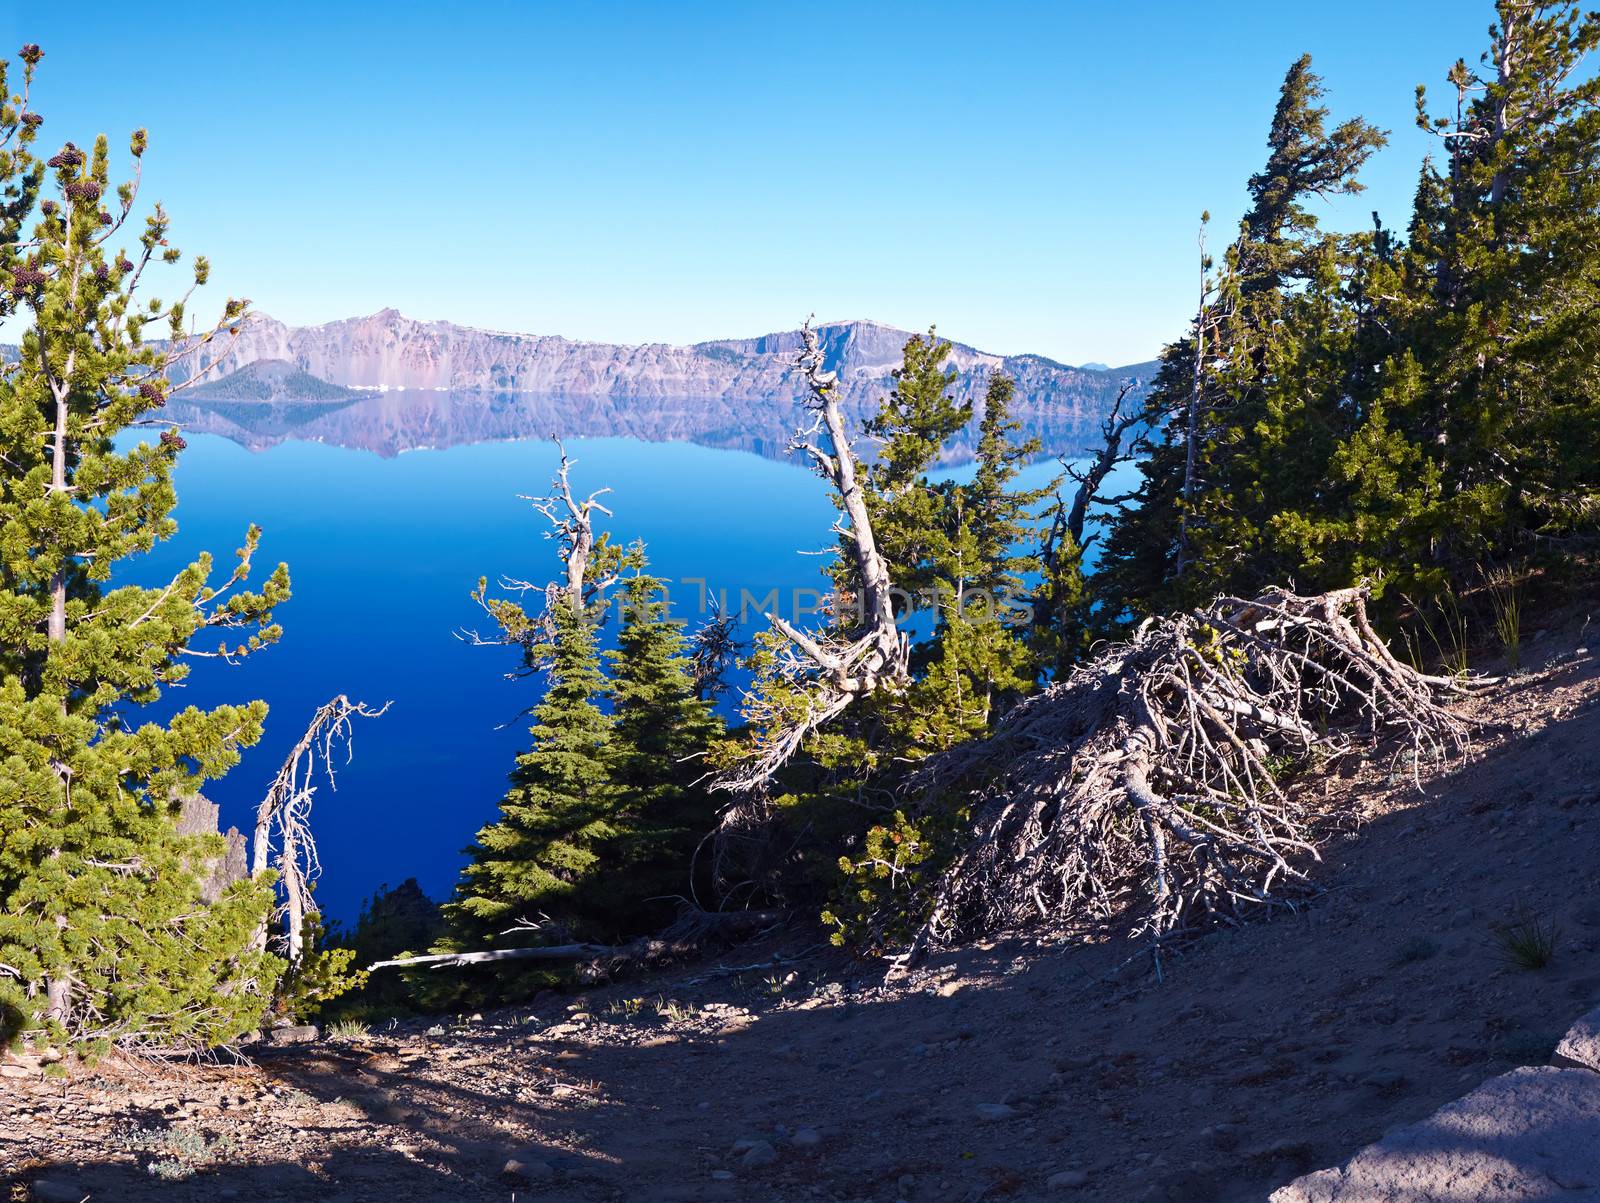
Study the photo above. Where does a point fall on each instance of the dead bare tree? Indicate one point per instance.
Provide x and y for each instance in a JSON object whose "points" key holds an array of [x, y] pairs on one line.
{"points": [[286, 812], [1191, 427], [1113, 430], [829, 670], [1063, 542], [1146, 781], [589, 565], [572, 522], [713, 649]]}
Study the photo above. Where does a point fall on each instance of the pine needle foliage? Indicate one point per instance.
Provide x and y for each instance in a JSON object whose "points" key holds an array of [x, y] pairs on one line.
{"points": [[104, 937], [1396, 406], [562, 804], [662, 732]]}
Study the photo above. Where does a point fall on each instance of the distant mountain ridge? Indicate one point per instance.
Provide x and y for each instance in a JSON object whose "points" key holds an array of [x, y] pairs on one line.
{"points": [[726, 392]]}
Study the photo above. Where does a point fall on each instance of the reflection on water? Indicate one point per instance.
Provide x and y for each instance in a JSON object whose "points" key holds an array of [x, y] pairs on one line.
{"points": [[388, 423]]}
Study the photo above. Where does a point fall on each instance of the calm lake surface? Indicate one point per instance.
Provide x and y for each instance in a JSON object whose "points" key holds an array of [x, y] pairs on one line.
{"points": [[383, 553]]}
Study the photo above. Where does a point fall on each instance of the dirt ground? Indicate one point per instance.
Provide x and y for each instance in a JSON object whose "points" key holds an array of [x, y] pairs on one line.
{"points": [[1012, 1071]]}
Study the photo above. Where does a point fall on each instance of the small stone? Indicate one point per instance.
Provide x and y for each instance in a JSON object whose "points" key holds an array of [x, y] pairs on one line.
{"points": [[1223, 1136], [807, 1138], [1068, 1180], [991, 1112], [721, 1175], [528, 1168], [757, 1155], [299, 1033]]}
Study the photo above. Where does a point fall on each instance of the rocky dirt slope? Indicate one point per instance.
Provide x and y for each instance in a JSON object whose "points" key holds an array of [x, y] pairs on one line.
{"points": [[1014, 1071]]}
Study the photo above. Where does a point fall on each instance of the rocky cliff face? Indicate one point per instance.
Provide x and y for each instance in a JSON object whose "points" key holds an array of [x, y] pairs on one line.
{"points": [[732, 392]]}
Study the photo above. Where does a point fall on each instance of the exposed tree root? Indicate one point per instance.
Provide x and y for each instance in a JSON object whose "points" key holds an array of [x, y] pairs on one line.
{"points": [[1145, 782]]}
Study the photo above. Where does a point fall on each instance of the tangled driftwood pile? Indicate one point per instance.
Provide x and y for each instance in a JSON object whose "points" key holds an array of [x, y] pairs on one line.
{"points": [[1148, 780]]}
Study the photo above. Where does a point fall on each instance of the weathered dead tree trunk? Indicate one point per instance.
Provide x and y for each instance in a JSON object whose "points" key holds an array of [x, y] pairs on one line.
{"points": [[589, 566], [572, 521], [832, 669], [713, 649], [1191, 426], [1092, 479], [285, 810], [1146, 783]]}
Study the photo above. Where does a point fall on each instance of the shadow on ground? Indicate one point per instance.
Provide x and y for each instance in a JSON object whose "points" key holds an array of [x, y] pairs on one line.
{"points": [[1266, 1052]]}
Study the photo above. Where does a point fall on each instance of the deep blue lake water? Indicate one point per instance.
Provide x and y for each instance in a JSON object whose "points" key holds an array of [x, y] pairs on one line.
{"points": [[383, 553]]}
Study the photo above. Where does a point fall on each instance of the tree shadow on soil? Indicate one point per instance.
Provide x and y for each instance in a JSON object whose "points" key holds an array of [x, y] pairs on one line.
{"points": [[1265, 1053]]}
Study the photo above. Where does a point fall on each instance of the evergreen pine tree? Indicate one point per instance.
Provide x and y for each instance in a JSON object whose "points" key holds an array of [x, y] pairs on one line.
{"points": [[912, 425], [103, 935], [663, 729], [1138, 566], [1061, 619], [977, 660], [545, 848], [1245, 413], [393, 922], [1506, 246], [1000, 515]]}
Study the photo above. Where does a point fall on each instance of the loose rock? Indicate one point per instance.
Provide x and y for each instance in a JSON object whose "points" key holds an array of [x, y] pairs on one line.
{"points": [[759, 1154], [1580, 1047], [1519, 1136], [300, 1033], [528, 1168]]}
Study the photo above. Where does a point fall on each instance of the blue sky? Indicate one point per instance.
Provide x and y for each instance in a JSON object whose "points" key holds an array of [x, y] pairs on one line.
{"points": [[1028, 176]]}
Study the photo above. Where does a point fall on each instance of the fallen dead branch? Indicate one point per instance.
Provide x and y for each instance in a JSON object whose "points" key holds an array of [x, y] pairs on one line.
{"points": [[687, 936], [1147, 782]]}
